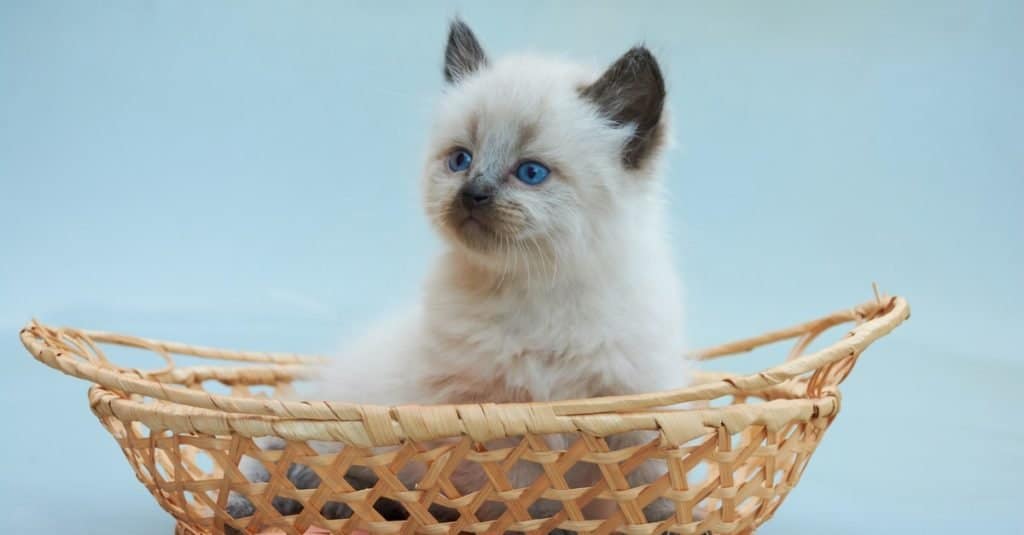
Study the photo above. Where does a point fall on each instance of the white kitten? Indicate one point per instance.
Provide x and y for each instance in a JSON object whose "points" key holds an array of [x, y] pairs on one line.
{"points": [[554, 290], [557, 280]]}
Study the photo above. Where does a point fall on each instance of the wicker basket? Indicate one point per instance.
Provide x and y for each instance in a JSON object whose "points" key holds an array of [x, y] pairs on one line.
{"points": [[732, 456]]}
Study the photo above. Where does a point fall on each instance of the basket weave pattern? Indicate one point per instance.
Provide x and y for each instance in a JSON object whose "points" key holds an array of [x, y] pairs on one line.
{"points": [[732, 455]]}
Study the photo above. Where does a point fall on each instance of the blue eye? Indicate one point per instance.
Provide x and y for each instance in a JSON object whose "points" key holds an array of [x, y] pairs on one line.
{"points": [[532, 173], [459, 160]]}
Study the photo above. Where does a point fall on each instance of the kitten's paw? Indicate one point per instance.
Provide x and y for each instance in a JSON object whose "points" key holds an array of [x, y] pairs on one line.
{"points": [[335, 510], [286, 506], [238, 506], [659, 510], [443, 514]]}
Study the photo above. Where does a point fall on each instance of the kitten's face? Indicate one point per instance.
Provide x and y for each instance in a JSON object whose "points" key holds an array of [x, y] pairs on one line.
{"points": [[497, 134], [528, 154]]}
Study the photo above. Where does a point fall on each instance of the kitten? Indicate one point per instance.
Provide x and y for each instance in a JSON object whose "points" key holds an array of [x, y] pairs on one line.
{"points": [[556, 281]]}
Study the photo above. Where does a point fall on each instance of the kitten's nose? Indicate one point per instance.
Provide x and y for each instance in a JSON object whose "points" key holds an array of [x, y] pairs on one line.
{"points": [[476, 195]]}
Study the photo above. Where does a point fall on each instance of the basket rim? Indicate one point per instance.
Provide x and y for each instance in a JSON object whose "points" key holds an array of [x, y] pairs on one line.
{"points": [[878, 317], [415, 422]]}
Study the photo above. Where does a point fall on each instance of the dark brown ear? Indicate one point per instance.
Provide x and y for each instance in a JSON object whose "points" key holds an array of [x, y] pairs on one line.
{"points": [[632, 91], [464, 54]]}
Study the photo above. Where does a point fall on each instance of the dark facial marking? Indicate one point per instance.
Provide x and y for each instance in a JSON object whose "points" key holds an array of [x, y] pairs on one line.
{"points": [[463, 54], [476, 194], [474, 130], [632, 90], [527, 133]]}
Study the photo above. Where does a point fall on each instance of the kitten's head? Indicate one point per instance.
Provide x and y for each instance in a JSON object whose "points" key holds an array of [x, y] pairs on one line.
{"points": [[535, 156]]}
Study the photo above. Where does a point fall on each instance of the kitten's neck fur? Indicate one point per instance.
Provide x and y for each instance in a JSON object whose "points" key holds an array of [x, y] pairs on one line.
{"points": [[610, 255]]}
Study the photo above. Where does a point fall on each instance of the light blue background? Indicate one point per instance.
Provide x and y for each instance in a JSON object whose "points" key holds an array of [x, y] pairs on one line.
{"points": [[243, 174]]}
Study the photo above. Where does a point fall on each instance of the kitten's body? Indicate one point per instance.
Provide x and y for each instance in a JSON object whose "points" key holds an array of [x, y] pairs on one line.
{"points": [[608, 328], [559, 291]]}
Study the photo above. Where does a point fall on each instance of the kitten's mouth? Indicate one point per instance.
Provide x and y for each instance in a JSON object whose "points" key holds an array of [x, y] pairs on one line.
{"points": [[480, 229], [475, 225], [474, 232], [471, 221]]}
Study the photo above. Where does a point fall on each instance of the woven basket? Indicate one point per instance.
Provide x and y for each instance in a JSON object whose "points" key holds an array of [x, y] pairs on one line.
{"points": [[733, 454]]}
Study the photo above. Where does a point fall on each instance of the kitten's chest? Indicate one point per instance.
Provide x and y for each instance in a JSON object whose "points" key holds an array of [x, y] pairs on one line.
{"points": [[560, 346]]}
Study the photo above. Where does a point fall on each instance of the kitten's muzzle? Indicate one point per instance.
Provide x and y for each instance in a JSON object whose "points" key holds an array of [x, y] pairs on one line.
{"points": [[476, 194]]}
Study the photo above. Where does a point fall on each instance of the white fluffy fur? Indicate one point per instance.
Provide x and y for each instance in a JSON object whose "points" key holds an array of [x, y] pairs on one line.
{"points": [[576, 297]]}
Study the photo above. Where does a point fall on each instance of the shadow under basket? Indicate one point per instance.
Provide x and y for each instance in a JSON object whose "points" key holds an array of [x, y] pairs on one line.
{"points": [[732, 453]]}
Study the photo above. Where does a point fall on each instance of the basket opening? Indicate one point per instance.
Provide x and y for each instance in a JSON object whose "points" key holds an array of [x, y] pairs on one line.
{"points": [[163, 473], [263, 391], [698, 475], [201, 462], [130, 357], [214, 386]]}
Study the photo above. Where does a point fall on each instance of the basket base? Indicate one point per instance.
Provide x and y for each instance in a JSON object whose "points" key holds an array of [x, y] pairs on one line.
{"points": [[182, 529]]}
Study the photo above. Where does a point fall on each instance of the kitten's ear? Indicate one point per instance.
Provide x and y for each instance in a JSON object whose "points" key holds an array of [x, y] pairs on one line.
{"points": [[464, 54], [632, 91]]}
